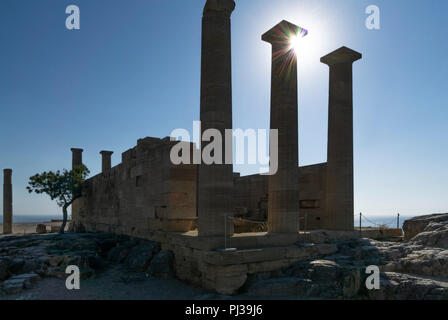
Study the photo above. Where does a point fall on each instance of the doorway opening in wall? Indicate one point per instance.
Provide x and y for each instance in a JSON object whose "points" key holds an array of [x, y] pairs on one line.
{"points": [[252, 220], [309, 208], [138, 181]]}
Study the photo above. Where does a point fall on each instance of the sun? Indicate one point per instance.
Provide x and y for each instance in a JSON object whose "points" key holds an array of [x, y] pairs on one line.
{"points": [[294, 43], [295, 40]]}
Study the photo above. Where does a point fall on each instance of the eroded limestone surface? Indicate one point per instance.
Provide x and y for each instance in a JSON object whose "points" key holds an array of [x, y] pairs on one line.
{"points": [[26, 259], [331, 269]]}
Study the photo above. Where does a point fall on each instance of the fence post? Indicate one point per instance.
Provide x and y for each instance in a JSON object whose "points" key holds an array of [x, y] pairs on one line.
{"points": [[225, 231], [360, 224]]}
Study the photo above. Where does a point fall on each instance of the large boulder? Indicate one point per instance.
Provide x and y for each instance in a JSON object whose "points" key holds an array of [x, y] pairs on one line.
{"points": [[434, 235], [96, 262], [331, 279], [352, 282], [118, 253], [325, 271], [416, 225], [16, 265], [105, 245], [83, 244], [427, 262], [162, 265], [399, 286], [17, 283], [140, 256], [13, 286], [3, 269]]}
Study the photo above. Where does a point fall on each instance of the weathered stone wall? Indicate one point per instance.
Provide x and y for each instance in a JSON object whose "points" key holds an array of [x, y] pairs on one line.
{"points": [[312, 184], [146, 192], [250, 192], [142, 194], [197, 262]]}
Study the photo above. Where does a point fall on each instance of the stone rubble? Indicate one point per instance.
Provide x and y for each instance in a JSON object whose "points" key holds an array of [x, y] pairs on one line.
{"points": [[26, 259], [415, 269]]}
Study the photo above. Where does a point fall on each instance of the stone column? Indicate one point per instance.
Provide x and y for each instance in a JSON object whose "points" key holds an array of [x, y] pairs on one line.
{"points": [[283, 190], [76, 157], [76, 161], [339, 189], [106, 160], [7, 201], [215, 182]]}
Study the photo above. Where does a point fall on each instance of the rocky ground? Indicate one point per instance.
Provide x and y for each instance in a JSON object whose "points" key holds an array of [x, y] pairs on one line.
{"points": [[112, 267], [119, 267], [415, 269]]}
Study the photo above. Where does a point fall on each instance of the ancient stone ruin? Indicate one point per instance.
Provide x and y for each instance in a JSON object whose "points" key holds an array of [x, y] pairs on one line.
{"points": [[7, 201], [189, 208]]}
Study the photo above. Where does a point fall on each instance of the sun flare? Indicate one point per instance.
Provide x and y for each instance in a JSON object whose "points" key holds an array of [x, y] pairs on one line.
{"points": [[294, 43], [296, 39]]}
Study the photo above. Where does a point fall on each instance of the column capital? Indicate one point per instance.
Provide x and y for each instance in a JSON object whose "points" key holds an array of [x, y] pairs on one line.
{"points": [[219, 6], [282, 33], [340, 56], [76, 150], [106, 153]]}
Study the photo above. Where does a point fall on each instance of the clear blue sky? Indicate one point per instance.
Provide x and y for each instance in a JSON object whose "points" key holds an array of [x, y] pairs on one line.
{"points": [[133, 70]]}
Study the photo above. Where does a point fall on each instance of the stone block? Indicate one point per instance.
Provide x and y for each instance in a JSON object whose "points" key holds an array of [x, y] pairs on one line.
{"points": [[41, 228], [326, 249], [13, 286], [280, 287], [277, 239], [268, 266], [224, 279], [244, 256], [299, 252]]}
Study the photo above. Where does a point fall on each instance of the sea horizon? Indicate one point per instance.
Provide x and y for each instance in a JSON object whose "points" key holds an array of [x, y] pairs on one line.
{"points": [[389, 221], [30, 218]]}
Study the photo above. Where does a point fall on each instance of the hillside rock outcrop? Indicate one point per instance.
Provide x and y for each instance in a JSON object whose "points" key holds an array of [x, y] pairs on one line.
{"points": [[26, 259], [434, 224]]}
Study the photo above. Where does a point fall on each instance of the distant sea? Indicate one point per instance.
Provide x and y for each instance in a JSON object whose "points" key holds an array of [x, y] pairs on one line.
{"points": [[32, 218], [367, 221], [376, 221]]}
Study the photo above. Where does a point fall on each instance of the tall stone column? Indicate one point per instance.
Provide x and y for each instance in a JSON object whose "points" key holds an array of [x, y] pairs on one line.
{"points": [[106, 160], [339, 189], [215, 181], [7, 201], [283, 190], [76, 161]]}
